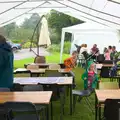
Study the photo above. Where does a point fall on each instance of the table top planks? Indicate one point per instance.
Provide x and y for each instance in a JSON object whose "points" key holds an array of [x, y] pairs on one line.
{"points": [[36, 80], [102, 95], [41, 97]]}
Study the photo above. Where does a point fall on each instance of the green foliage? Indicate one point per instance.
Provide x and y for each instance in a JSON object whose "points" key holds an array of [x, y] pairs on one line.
{"points": [[27, 45], [56, 48], [30, 23], [58, 20], [23, 32], [117, 55], [17, 41], [67, 46], [8, 29]]}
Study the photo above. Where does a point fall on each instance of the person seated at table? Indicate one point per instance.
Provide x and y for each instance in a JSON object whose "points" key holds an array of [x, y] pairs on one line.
{"points": [[94, 51], [107, 55], [114, 51], [90, 76], [70, 63], [6, 64]]}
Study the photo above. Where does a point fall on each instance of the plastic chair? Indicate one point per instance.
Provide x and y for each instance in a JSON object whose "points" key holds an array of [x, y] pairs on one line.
{"points": [[4, 90], [32, 67], [34, 88], [5, 115], [100, 58], [20, 108], [54, 67], [112, 109], [17, 87], [53, 73], [83, 94], [108, 85], [40, 59], [58, 94], [104, 72]]}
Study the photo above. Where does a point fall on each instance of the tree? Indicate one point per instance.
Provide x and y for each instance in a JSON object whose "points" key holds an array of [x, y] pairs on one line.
{"points": [[31, 22], [58, 20], [9, 28]]}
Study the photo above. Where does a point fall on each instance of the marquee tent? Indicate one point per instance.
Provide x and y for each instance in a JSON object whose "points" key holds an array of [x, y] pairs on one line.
{"points": [[101, 11], [104, 12], [91, 33]]}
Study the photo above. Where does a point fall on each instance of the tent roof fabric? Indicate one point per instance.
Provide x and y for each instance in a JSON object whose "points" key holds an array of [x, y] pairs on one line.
{"points": [[87, 26], [104, 12]]}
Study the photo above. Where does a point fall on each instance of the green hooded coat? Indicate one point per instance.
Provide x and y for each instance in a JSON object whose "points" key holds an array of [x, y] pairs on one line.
{"points": [[85, 75]]}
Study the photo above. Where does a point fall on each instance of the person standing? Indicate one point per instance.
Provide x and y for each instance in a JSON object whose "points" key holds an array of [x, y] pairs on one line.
{"points": [[110, 49], [114, 51], [94, 51], [6, 64], [71, 63], [107, 55]]}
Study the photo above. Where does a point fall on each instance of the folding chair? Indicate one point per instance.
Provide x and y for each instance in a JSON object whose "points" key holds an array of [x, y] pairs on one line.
{"points": [[4, 89], [38, 87], [107, 86], [112, 109], [40, 59], [54, 67], [20, 108], [83, 94]]}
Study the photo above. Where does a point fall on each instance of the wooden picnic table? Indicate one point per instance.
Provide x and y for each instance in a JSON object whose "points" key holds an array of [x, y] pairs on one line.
{"points": [[101, 96], [44, 65], [41, 97], [62, 81]]}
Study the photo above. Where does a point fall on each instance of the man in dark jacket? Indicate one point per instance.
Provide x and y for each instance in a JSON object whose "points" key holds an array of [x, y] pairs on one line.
{"points": [[6, 64]]}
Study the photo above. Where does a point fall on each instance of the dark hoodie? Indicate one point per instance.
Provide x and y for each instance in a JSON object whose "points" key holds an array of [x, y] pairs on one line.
{"points": [[6, 65]]}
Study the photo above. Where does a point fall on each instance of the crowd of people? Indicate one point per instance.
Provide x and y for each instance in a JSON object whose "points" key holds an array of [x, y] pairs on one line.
{"points": [[109, 52], [94, 51], [90, 77]]}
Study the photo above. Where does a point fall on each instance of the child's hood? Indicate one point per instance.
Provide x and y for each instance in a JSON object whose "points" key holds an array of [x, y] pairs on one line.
{"points": [[89, 64]]}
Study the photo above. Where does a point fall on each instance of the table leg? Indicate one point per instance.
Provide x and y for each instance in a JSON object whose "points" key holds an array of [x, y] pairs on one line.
{"points": [[119, 82], [96, 107], [47, 112], [70, 99], [99, 111], [51, 107]]}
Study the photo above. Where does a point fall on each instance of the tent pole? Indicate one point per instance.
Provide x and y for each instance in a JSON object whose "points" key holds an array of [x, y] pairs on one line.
{"points": [[38, 34], [72, 38], [62, 45]]}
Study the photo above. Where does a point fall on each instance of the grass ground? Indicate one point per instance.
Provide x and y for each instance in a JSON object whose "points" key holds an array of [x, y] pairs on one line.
{"points": [[82, 112], [53, 58]]}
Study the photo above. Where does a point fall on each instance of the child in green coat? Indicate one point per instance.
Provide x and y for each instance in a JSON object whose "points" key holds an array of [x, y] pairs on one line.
{"points": [[90, 76]]}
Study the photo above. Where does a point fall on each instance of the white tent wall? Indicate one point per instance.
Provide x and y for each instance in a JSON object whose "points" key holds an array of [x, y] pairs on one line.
{"points": [[101, 38], [91, 33]]}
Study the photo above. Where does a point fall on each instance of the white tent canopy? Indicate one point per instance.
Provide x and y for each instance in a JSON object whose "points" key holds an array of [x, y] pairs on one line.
{"points": [[104, 12], [91, 33], [101, 11]]}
